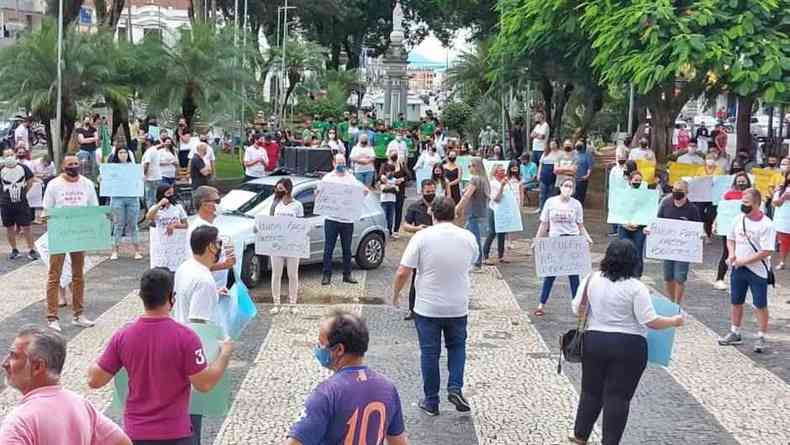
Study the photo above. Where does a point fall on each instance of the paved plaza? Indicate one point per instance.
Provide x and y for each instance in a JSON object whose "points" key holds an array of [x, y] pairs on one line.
{"points": [[708, 395]]}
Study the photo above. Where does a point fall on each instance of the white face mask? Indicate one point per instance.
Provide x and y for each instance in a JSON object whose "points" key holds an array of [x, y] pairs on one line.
{"points": [[710, 162], [566, 192]]}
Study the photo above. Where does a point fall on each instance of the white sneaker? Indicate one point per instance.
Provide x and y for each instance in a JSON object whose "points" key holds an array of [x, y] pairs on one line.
{"points": [[275, 310], [395, 235], [114, 256], [720, 285], [54, 325], [82, 322], [138, 256]]}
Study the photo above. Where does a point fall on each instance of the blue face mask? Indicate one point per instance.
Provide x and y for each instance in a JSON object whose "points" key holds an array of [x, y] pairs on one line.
{"points": [[340, 168], [323, 355]]}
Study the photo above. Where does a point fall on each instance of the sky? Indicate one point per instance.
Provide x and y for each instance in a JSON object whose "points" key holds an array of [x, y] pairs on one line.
{"points": [[432, 48]]}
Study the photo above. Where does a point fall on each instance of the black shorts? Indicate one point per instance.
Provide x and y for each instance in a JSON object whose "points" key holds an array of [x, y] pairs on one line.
{"points": [[16, 214]]}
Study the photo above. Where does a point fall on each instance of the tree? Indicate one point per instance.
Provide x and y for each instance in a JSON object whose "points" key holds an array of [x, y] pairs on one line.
{"points": [[301, 57], [71, 10], [455, 116]]}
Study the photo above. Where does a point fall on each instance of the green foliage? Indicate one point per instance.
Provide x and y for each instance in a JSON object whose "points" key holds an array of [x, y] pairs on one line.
{"points": [[455, 116]]}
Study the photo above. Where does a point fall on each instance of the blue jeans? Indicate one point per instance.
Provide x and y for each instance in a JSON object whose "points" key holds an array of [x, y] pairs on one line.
{"points": [[125, 212], [429, 334], [333, 229], [150, 193], [545, 193], [168, 181], [743, 279], [389, 214], [473, 225], [365, 177], [548, 282], [500, 238], [637, 237], [88, 166]]}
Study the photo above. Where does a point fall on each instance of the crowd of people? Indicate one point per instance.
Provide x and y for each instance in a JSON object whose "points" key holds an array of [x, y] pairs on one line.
{"points": [[453, 225]]}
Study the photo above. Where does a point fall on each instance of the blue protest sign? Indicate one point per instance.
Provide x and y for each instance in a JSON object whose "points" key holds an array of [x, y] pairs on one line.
{"points": [[726, 214], [632, 206], [507, 215], [721, 184], [660, 342], [121, 180], [423, 174], [79, 229]]}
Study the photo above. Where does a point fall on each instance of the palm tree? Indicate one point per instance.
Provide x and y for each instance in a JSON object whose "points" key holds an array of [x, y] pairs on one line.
{"points": [[301, 56]]}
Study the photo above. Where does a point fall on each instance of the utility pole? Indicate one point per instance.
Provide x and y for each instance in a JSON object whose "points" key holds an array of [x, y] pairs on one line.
{"points": [[58, 112], [282, 71], [129, 21], [243, 60], [631, 110], [278, 81]]}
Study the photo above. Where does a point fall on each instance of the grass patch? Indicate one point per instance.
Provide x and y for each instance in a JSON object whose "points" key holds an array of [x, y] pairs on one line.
{"points": [[228, 165]]}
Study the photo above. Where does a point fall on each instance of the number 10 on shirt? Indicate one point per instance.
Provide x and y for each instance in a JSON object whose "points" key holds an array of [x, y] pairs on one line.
{"points": [[354, 423]]}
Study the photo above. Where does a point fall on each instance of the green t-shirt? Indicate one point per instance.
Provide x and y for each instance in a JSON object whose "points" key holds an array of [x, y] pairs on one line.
{"points": [[382, 140], [411, 147], [398, 124], [427, 129], [342, 130], [307, 135]]}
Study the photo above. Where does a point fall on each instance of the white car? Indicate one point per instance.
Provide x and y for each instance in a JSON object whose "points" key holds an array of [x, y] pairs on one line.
{"points": [[236, 220]]}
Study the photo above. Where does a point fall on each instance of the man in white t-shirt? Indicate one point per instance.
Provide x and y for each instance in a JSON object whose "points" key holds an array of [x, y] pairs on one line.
{"points": [[209, 158], [751, 240], [692, 155], [195, 288], [152, 173], [398, 147], [255, 161], [206, 201], [364, 161], [342, 227], [70, 189], [642, 152], [22, 134], [441, 255], [539, 135]]}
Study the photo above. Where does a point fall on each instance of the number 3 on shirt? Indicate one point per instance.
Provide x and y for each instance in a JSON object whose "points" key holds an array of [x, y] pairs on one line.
{"points": [[372, 407], [199, 358]]}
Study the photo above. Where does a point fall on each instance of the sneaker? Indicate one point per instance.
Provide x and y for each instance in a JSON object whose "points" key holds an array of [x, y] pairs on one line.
{"points": [[409, 316], [54, 325], [114, 256], [731, 339], [477, 269], [138, 256], [32, 255], [759, 345], [457, 399], [432, 411], [275, 310], [294, 310], [720, 285], [13, 255], [395, 235], [82, 322]]}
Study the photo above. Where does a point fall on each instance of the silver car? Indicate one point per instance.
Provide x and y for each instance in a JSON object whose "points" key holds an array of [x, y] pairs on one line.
{"points": [[236, 219]]}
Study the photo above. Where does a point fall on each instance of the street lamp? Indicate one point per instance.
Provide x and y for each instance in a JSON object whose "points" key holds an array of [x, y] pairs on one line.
{"points": [[285, 9]]}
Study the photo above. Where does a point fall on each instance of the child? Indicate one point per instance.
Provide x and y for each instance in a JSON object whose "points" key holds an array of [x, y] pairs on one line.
{"points": [[388, 188], [529, 174]]}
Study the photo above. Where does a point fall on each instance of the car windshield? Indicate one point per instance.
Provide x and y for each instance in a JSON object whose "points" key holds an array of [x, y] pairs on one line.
{"points": [[245, 198]]}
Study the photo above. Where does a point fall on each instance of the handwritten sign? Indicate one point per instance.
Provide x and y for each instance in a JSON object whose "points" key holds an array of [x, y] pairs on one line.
{"points": [[562, 255], [421, 175], [463, 164], [700, 188], [342, 202], [648, 170], [672, 239], [168, 250], [766, 179], [42, 248], [215, 403], [632, 206], [726, 214], [721, 184], [507, 214], [488, 165], [35, 196], [678, 171], [660, 342], [283, 236], [121, 180], [782, 217], [79, 229]]}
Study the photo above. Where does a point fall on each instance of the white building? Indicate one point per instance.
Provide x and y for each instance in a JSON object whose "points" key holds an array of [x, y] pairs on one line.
{"points": [[147, 17], [17, 16]]}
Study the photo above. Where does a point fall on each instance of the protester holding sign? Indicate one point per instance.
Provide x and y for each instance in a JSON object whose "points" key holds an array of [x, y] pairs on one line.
{"points": [[283, 204], [474, 204], [152, 169], [164, 360], [168, 218], [125, 212], [634, 233], [498, 184], [337, 226], [750, 241], [561, 216], [740, 183], [197, 291], [70, 189], [679, 207], [614, 354], [782, 218]]}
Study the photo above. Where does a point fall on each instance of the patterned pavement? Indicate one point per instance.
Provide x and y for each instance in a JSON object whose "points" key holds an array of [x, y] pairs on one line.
{"points": [[708, 394]]}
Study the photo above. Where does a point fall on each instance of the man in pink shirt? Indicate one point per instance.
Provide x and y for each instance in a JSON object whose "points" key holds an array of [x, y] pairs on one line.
{"points": [[164, 359], [48, 413]]}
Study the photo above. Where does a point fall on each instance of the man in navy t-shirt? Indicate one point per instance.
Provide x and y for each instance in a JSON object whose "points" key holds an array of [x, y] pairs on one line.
{"points": [[356, 405]]}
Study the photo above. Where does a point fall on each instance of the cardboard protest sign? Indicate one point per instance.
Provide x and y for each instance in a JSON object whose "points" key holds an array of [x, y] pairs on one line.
{"points": [[283, 236], [342, 201], [121, 180], [562, 255], [79, 229], [672, 239]]}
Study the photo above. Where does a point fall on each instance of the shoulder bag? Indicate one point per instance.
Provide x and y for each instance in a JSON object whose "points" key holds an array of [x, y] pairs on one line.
{"points": [[571, 342], [771, 276]]}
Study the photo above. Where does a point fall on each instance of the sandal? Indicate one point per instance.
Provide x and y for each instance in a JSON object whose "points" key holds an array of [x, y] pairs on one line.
{"points": [[539, 313]]}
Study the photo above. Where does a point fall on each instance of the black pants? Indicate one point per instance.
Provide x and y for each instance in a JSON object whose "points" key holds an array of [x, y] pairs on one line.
{"points": [[500, 238], [725, 253], [333, 229], [581, 191], [612, 364], [399, 199], [183, 158], [708, 211]]}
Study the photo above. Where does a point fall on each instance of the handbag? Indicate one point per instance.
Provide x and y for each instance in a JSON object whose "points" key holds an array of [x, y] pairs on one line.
{"points": [[771, 276], [571, 342]]}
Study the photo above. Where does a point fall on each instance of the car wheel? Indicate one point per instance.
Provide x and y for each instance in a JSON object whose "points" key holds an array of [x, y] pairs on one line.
{"points": [[251, 267], [370, 253]]}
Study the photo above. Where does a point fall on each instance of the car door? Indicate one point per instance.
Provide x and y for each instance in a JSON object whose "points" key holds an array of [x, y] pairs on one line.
{"points": [[316, 234]]}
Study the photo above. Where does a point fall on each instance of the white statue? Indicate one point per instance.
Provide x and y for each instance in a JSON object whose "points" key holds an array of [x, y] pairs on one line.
{"points": [[397, 17]]}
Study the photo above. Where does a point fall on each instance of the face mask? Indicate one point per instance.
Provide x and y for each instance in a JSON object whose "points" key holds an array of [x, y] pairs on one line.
{"points": [[499, 175], [643, 146], [636, 185], [340, 168], [393, 158], [742, 187], [678, 195], [772, 164], [279, 194], [566, 192], [451, 158], [72, 171], [568, 149], [173, 199], [428, 197], [324, 356], [746, 208], [621, 162]]}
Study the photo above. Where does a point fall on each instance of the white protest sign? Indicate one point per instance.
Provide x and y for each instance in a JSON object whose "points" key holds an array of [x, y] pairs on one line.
{"points": [[700, 188], [284, 236], [35, 196], [339, 201], [168, 250], [562, 255], [42, 247], [675, 240]]}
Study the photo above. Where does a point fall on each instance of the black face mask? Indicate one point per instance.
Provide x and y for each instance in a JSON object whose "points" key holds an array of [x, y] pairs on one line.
{"points": [[746, 208], [279, 194], [636, 185], [393, 158], [742, 187], [217, 255], [428, 197], [772, 164], [621, 162], [72, 171], [643, 146], [173, 199], [678, 195], [451, 158], [581, 147]]}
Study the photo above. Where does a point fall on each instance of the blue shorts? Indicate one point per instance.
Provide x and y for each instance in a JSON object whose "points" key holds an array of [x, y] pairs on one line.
{"points": [[676, 271], [366, 177], [743, 279]]}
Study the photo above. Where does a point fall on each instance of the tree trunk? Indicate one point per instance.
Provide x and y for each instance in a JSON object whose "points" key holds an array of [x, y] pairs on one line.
{"points": [[116, 12], [120, 118], [547, 91], [294, 77], [559, 109], [592, 106], [48, 132], [353, 50], [661, 128], [743, 123], [334, 57], [188, 108]]}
